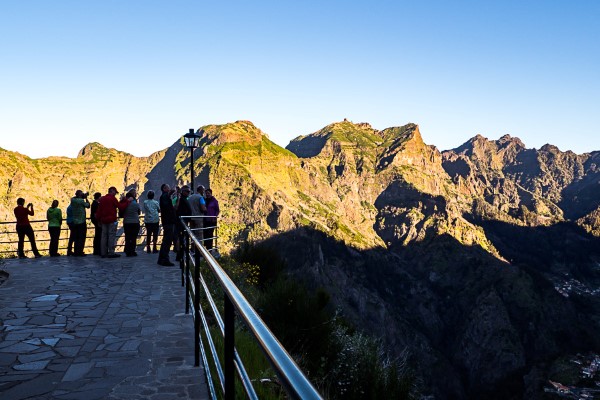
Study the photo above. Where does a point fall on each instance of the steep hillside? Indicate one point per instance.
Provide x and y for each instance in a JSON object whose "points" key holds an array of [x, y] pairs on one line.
{"points": [[528, 186], [42, 180], [460, 258]]}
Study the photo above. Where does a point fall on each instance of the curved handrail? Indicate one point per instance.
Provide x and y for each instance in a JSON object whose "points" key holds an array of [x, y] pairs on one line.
{"points": [[293, 380]]}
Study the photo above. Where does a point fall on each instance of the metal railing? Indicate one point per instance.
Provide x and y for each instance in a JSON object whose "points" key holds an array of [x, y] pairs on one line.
{"points": [[8, 246], [294, 382]]}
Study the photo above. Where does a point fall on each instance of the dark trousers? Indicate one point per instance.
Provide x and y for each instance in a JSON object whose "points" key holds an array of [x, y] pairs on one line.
{"points": [[97, 238], [54, 237], [22, 231], [131, 234], [151, 233], [71, 239], [167, 241], [79, 233], [208, 234]]}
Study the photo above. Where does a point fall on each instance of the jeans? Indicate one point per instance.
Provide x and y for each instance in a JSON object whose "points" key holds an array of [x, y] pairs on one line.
{"points": [[107, 244]]}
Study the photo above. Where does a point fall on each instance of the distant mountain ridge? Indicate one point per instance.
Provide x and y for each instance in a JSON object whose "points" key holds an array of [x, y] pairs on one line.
{"points": [[415, 245]]}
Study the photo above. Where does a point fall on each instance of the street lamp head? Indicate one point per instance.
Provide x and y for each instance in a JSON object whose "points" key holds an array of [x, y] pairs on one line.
{"points": [[192, 139]]}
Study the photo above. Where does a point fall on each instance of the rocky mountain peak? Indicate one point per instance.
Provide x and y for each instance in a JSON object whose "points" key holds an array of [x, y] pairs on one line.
{"points": [[234, 132], [94, 150], [507, 140], [344, 134]]}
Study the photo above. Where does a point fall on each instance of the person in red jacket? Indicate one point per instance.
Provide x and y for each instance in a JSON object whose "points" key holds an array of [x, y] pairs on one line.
{"points": [[24, 227], [106, 214]]}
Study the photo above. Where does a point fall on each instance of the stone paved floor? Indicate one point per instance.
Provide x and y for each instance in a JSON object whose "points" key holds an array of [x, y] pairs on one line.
{"points": [[92, 328]]}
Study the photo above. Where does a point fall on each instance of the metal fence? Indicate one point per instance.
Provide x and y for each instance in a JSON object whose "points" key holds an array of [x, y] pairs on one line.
{"points": [[295, 383], [8, 236]]}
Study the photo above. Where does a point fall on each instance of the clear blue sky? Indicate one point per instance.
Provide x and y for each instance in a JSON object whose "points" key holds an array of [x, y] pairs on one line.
{"points": [[135, 75]]}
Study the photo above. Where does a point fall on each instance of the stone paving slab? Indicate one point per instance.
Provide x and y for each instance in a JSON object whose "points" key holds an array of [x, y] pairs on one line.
{"points": [[92, 328]]}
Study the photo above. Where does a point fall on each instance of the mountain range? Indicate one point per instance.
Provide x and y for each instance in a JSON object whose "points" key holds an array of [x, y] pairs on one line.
{"points": [[481, 262]]}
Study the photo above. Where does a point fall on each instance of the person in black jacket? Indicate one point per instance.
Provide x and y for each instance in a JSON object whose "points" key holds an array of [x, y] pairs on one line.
{"points": [[182, 208], [168, 219], [97, 224]]}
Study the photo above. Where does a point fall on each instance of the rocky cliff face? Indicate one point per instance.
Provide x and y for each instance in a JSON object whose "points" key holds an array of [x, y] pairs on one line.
{"points": [[452, 256]]}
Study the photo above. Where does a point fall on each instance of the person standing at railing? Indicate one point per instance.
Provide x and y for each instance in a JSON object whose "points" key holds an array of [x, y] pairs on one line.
{"points": [[168, 218], [151, 213], [96, 223], [182, 209], [107, 213], [24, 228], [198, 205], [131, 223], [212, 212], [71, 234], [54, 217], [79, 203]]}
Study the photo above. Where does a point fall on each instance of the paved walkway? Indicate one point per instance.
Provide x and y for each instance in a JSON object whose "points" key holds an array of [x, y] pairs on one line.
{"points": [[92, 328]]}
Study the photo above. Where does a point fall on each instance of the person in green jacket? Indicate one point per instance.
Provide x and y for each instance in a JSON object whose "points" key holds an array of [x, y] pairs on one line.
{"points": [[54, 217]]}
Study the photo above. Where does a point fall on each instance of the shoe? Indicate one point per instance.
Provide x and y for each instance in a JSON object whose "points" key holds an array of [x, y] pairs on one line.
{"points": [[23, 257], [114, 255], [166, 263], [80, 255], [155, 251], [148, 250], [38, 255]]}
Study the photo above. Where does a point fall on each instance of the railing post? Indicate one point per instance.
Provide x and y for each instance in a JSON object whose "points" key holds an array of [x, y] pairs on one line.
{"points": [[229, 349], [197, 308], [180, 250], [187, 282]]}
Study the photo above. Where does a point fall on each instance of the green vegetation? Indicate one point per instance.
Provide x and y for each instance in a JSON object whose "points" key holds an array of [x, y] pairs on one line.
{"points": [[341, 361]]}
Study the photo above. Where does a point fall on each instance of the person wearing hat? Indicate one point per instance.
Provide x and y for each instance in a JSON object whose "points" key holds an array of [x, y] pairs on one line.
{"points": [[107, 213]]}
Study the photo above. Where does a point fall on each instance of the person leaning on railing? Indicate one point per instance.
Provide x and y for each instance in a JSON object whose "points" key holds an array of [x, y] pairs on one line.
{"points": [[24, 228], [54, 217], [198, 205], [212, 212]]}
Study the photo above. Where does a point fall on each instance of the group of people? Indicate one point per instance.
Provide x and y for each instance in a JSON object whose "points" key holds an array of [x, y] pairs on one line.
{"points": [[105, 211], [177, 202]]}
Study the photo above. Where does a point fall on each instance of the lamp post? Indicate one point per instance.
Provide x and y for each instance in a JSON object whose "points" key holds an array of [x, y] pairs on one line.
{"points": [[192, 141]]}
